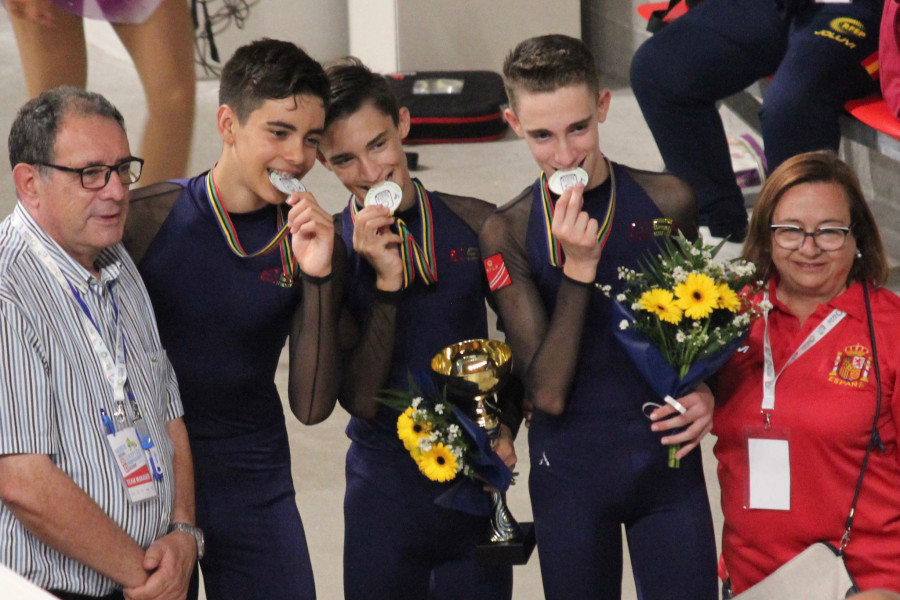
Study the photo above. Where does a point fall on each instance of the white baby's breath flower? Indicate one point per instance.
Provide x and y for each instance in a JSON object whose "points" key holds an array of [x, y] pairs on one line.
{"points": [[606, 289], [621, 297], [439, 408], [741, 320], [416, 402], [424, 445], [623, 324], [635, 306], [679, 274], [680, 337], [695, 251]]}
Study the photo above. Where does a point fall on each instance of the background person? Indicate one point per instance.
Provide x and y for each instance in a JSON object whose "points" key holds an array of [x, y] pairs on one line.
{"points": [[225, 315], [596, 462], [390, 330], [815, 51], [69, 292], [816, 243], [158, 36]]}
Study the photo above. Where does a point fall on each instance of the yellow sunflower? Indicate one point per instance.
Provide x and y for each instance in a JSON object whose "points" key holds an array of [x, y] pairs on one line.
{"points": [[728, 298], [662, 304], [697, 296], [409, 431], [438, 464]]}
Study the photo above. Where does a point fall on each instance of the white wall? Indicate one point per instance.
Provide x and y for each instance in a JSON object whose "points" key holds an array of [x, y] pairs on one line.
{"points": [[452, 34]]}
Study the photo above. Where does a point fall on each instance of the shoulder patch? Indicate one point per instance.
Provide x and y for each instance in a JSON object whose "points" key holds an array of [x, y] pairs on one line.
{"points": [[497, 274]]}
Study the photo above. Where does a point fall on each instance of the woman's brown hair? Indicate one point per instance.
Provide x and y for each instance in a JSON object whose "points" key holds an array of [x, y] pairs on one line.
{"points": [[817, 167]]}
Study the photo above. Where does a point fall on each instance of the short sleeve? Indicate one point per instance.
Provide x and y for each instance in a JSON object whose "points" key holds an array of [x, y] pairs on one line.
{"points": [[27, 409]]}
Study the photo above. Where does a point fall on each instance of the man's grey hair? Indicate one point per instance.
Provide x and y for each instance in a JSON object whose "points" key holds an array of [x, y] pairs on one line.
{"points": [[33, 133]]}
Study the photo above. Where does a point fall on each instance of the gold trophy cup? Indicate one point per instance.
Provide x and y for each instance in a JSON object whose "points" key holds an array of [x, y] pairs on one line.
{"points": [[475, 370]]}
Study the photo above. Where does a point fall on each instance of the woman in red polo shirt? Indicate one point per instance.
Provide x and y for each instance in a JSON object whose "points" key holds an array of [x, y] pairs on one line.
{"points": [[797, 402]]}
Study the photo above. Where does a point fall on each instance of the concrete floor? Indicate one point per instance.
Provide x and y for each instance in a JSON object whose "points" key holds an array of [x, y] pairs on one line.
{"points": [[493, 171]]}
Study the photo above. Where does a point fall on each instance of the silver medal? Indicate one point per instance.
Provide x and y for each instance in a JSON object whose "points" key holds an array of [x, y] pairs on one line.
{"points": [[386, 193], [560, 181], [284, 184]]}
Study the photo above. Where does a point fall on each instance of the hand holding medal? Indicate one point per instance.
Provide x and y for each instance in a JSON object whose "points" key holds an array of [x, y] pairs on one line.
{"points": [[311, 228], [576, 232], [373, 237]]}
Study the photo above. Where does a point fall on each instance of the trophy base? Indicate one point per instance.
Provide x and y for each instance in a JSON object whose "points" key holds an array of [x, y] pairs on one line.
{"points": [[516, 552]]}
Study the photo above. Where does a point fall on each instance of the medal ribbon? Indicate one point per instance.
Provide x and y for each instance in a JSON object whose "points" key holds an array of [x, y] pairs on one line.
{"points": [[553, 247], [770, 378], [281, 238], [415, 257]]}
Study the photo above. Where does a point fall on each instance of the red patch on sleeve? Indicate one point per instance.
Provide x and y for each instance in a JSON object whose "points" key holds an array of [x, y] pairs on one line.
{"points": [[498, 276]]}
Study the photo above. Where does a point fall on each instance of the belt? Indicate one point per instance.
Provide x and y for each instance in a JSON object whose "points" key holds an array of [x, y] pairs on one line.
{"points": [[70, 596]]}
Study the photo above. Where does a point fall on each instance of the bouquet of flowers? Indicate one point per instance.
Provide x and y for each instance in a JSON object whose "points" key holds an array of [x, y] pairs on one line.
{"points": [[684, 315], [444, 442]]}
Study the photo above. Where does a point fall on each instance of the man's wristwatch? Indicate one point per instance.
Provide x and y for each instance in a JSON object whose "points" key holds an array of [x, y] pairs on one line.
{"points": [[194, 531]]}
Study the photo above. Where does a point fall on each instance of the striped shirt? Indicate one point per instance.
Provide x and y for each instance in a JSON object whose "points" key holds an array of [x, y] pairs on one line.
{"points": [[53, 385]]}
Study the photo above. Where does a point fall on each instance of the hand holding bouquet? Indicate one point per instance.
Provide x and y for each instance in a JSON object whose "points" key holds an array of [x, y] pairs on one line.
{"points": [[444, 442], [682, 316]]}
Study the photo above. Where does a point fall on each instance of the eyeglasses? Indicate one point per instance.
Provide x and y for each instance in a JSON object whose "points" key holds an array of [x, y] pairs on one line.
{"points": [[826, 239], [95, 177]]}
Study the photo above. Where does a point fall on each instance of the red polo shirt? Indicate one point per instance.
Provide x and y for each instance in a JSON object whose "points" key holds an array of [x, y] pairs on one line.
{"points": [[825, 402]]}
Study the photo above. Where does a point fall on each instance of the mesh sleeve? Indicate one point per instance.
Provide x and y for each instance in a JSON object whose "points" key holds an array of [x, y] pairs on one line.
{"points": [[149, 207], [545, 347], [314, 353], [368, 358]]}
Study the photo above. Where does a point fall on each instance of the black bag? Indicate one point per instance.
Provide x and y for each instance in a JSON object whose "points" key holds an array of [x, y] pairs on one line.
{"points": [[451, 106]]}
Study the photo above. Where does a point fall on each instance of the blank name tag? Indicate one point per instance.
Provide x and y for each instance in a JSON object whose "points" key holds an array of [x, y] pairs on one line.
{"points": [[770, 474]]}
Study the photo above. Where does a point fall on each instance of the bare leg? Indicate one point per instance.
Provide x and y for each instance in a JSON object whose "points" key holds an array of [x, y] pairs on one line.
{"points": [[51, 56], [162, 49]]}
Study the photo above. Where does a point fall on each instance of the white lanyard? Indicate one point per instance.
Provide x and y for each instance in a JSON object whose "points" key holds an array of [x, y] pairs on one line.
{"points": [[116, 372], [770, 378]]}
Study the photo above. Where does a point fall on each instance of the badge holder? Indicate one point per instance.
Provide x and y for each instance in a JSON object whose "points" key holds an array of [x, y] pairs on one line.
{"points": [[134, 471], [767, 485]]}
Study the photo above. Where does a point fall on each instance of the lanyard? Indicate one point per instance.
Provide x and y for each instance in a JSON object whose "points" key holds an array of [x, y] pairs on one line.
{"points": [[553, 246], [415, 257], [770, 378], [281, 239], [115, 370]]}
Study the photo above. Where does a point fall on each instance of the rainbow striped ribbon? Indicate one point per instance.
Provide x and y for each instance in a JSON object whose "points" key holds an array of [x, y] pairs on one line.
{"points": [[415, 257], [553, 246], [231, 238]]}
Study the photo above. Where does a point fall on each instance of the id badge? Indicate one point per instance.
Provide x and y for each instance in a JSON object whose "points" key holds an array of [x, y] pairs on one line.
{"points": [[136, 475], [768, 484]]}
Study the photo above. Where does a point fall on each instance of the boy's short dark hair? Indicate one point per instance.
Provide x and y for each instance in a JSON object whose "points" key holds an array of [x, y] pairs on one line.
{"points": [[547, 63], [269, 70], [353, 85]]}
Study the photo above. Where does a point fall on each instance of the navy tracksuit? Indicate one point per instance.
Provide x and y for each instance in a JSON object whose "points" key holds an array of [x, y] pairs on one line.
{"points": [[719, 48]]}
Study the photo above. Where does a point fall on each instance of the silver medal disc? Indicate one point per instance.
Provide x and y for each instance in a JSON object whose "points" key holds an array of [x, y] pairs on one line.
{"points": [[386, 193], [560, 181], [286, 185]]}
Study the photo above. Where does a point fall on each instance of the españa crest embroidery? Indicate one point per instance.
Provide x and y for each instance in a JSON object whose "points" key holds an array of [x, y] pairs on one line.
{"points": [[851, 366]]}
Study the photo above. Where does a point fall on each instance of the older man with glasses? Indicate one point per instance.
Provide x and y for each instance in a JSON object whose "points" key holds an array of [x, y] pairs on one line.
{"points": [[96, 482]]}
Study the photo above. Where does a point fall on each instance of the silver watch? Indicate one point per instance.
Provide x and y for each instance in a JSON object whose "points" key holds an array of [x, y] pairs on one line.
{"points": [[194, 531]]}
